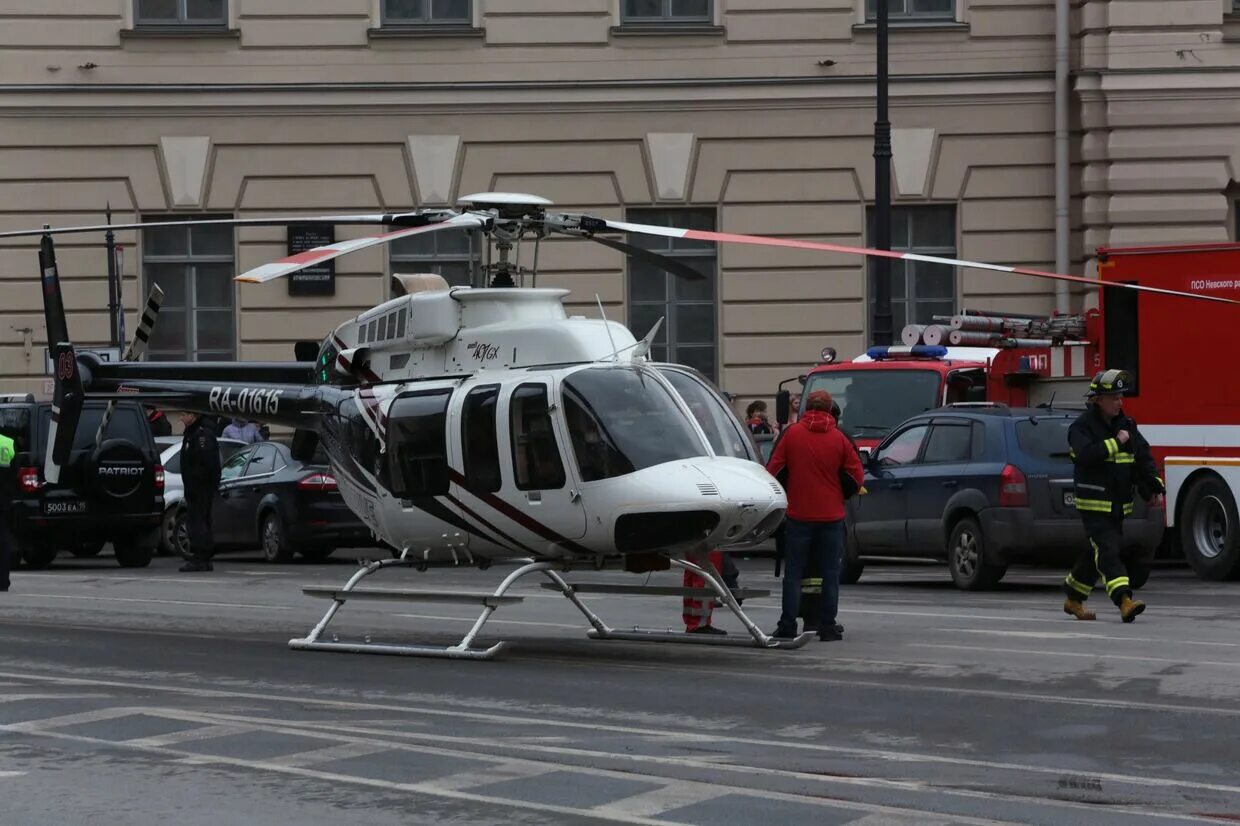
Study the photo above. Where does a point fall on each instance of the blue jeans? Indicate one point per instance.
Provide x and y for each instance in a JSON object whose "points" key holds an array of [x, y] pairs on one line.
{"points": [[803, 541]]}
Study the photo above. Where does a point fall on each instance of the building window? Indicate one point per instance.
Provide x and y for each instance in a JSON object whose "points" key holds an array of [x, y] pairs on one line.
{"points": [[181, 12], [665, 11], [454, 254], [913, 9], [423, 12], [194, 267], [689, 332], [919, 290]]}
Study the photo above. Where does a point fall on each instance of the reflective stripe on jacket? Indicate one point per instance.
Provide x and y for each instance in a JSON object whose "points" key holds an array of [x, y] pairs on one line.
{"points": [[1105, 471]]}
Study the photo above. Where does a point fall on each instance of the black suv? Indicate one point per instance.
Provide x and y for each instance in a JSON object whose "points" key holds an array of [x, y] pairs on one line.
{"points": [[113, 493]]}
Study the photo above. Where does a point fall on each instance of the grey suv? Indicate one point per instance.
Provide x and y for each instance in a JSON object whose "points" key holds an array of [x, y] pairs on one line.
{"points": [[980, 486]]}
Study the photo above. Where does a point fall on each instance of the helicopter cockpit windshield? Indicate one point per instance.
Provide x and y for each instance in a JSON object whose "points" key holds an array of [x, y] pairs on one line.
{"points": [[622, 420]]}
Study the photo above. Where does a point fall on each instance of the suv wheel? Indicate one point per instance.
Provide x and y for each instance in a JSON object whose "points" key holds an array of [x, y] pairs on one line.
{"points": [[129, 555], [275, 544], [1210, 530], [37, 557], [971, 569]]}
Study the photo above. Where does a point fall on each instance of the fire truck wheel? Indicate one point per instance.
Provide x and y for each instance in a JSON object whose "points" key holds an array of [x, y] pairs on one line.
{"points": [[968, 560], [1210, 529]]}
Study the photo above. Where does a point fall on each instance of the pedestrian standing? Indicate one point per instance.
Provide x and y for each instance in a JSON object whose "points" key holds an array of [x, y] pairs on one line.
{"points": [[816, 454], [8, 490], [1110, 458], [243, 431], [756, 418], [160, 426], [200, 471]]}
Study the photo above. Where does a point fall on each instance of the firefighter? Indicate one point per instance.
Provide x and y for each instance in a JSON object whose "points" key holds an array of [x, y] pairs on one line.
{"points": [[200, 470], [8, 489], [697, 611], [1111, 457]]}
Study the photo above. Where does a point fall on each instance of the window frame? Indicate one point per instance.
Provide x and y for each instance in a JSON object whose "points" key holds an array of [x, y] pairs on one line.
{"points": [[189, 262], [427, 20], [467, 462], [669, 332], [909, 15], [395, 470], [514, 432], [946, 424], [921, 447], [257, 452], [906, 268], [182, 19], [426, 261], [667, 18]]}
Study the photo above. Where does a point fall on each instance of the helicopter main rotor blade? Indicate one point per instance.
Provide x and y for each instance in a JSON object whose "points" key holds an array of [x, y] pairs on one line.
{"points": [[293, 263], [399, 218], [663, 262], [597, 224]]}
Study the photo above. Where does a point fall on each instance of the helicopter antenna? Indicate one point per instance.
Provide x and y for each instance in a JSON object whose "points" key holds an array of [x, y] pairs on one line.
{"points": [[615, 354]]}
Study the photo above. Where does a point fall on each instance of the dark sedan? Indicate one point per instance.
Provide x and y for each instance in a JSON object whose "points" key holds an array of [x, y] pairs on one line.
{"points": [[269, 500]]}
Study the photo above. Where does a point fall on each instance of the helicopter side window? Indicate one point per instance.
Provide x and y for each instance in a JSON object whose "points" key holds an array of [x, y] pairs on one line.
{"points": [[391, 326], [372, 330], [535, 454], [400, 323], [481, 447], [361, 334], [418, 444]]}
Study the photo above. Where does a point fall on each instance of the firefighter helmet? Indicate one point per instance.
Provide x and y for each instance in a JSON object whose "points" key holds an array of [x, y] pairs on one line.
{"points": [[1108, 382]]}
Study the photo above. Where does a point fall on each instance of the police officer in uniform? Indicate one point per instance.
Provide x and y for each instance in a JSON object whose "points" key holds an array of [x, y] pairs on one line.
{"points": [[1111, 457], [200, 470], [8, 489]]}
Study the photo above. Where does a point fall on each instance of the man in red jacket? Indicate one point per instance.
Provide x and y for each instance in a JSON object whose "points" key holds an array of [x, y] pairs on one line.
{"points": [[815, 453]]}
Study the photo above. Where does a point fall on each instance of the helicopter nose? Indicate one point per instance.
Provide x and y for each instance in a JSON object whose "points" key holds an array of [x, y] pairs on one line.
{"points": [[754, 503]]}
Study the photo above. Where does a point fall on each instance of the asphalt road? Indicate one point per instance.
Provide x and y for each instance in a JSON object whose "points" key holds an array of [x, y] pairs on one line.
{"points": [[155, 697]]}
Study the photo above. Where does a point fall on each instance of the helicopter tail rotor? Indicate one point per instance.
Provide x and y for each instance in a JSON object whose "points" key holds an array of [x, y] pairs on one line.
{"points": [[70, 394]]}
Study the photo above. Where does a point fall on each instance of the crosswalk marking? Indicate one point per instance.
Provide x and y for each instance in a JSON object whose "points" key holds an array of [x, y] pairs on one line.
{"points": [[72, 719], [658, 801], [498, 773], [341, 751], [4, 775], [188, 735]]}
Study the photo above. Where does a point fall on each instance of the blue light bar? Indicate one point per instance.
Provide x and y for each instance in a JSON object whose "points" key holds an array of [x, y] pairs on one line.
{"points": [[916, 351]]}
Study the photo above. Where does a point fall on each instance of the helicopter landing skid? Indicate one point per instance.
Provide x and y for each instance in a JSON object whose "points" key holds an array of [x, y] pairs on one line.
{"points": [[491, 601], [755, 638]]}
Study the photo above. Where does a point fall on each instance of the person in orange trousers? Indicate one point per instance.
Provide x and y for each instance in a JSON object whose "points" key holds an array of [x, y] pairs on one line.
{"points": [[697, 611]]}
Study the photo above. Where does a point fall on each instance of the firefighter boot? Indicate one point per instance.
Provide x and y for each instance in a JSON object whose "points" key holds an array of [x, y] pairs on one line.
{"points": [[1129, 608], [1078, 610]]}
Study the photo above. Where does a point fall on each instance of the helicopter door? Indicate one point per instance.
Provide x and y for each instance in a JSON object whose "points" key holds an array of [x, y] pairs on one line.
{"points": [[539, 485]]}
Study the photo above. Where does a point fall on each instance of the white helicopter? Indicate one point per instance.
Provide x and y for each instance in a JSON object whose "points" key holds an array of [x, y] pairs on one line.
{"points": [[467, 426]]}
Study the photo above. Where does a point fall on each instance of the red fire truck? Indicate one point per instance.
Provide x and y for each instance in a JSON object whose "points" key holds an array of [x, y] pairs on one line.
{"points": [[1181, 353]]}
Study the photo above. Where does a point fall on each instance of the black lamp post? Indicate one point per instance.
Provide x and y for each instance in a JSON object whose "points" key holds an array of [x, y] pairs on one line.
{"points": [[882, 328]]}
